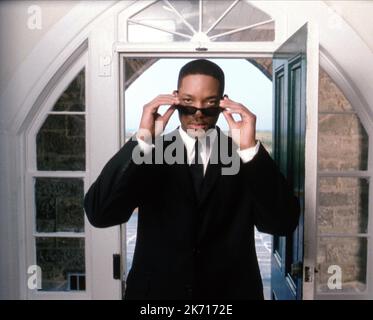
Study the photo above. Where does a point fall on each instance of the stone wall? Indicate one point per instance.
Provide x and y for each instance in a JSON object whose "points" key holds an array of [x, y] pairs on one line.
{"points": [[343, 142], [342, 195]]}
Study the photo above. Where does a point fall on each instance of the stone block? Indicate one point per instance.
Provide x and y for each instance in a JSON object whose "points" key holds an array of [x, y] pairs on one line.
{"points": [[331, 98], [343, 205], [350, 254]]}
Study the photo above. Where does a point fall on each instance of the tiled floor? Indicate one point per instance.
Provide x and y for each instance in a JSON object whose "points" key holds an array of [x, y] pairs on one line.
{"points": [[263, 244], [131, 238]]}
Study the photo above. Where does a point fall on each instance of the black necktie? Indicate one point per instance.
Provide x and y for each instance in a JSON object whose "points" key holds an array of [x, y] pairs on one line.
{"points": [[196, 168]]}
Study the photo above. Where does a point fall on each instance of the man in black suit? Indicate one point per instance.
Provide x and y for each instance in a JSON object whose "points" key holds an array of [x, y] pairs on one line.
{"points": [[199, 194]]}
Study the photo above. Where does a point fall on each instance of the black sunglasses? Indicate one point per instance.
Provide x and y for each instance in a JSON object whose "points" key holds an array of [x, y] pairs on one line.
{"points": [[208, 112]]}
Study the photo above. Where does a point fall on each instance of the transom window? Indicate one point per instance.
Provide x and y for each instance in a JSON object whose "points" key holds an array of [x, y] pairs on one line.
{"points": [[200, 21]]}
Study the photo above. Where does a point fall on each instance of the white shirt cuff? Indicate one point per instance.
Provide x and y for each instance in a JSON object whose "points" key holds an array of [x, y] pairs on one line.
{"points": [[248, 154], [144, 146]]}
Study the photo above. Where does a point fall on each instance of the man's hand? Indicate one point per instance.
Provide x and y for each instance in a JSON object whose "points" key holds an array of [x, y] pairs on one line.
{"points": [[243, 131], [151, 121]]}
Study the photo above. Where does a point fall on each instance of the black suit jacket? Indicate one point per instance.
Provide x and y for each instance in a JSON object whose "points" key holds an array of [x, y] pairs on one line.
{"points": [[189, 247]]}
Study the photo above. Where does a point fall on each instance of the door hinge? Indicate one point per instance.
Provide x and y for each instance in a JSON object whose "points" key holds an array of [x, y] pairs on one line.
{"points": [[116, 267]]}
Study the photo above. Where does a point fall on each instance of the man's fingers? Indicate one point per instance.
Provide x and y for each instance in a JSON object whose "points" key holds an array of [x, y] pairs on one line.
{"points": [[229, 119], [231, 105], [161, 100], [167, 115], [242, 111]]}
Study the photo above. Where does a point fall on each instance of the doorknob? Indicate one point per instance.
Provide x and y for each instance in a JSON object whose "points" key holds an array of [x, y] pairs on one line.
{"points": [[296, 270]]}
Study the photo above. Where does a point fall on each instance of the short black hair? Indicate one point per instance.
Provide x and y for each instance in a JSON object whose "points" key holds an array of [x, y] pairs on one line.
{"points": [[205, 67]]}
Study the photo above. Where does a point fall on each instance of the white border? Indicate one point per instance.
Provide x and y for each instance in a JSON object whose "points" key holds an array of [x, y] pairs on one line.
{"points": [[352, 76]]}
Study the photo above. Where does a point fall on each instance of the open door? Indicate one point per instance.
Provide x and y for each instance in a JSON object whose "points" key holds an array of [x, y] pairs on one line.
{"points": [[295, 85]]}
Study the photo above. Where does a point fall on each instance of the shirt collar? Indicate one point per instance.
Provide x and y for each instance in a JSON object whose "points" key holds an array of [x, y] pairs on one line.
{"points": [[189, 141]]}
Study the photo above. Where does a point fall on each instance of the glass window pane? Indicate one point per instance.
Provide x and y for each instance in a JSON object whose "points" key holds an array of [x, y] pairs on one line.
{"points": [[59, 204], [184, 17], [60, 260], [157, 11], [73, 99], [189, 10], [242, 15], [60, 143], [139, 33], [343, 259], [260, 33], [212, 11], [161, 15], [343, 205], [343, 143]]}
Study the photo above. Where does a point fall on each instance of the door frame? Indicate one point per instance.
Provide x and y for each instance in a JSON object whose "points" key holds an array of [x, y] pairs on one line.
{"points": [[137, 53], [241, 50], [310, 165], [294, 49]]}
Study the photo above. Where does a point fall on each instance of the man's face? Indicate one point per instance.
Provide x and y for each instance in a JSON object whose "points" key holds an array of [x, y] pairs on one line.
{"points": [[199, 91]]}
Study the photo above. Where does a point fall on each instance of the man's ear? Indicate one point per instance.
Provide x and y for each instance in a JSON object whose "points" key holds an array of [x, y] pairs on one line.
{"points": [[175, 92]]}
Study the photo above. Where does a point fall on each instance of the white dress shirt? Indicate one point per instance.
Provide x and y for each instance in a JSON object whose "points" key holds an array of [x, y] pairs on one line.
{"points": [[246, 155]]}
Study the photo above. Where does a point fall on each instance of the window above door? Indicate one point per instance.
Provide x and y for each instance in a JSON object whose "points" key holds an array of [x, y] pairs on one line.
{"points": [[200, 21]]}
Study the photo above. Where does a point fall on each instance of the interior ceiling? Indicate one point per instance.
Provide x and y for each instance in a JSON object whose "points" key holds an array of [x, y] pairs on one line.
{"points": [[358, 14]]}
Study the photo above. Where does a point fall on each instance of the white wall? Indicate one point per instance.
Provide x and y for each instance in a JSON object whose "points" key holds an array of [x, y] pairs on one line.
{"points": [[358, 14], [16, 39]]}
